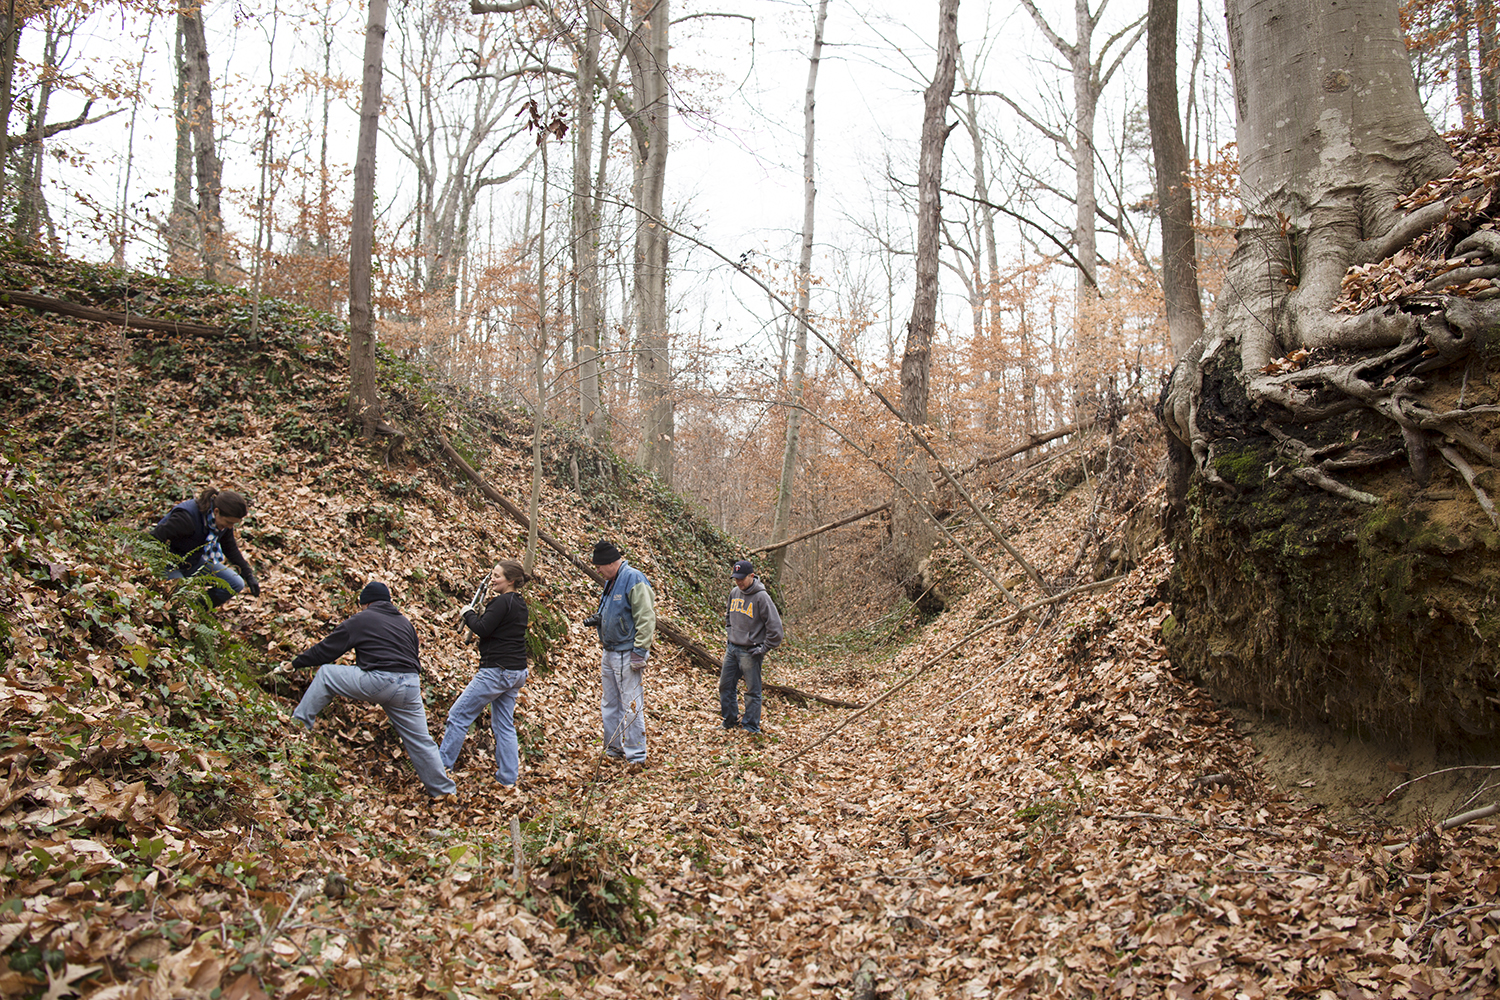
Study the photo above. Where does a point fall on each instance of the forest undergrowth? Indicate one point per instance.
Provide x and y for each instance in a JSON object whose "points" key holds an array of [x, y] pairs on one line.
{"points": [[1043, 809]]}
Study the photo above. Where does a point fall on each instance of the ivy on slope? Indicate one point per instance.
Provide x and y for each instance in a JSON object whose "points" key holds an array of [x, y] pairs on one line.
{"points": [[162, 834], [160, 831], [147, 769]]}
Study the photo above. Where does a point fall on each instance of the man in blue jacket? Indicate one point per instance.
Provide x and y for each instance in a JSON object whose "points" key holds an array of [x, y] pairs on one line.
{"points": [[386, 671], [626, 621]]}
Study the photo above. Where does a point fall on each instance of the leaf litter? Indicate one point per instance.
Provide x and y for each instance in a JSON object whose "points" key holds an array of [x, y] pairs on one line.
{"points": [[1047, 810]]}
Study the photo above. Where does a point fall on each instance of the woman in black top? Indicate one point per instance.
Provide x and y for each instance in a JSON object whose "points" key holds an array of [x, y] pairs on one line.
{"points": [[502, 670]]}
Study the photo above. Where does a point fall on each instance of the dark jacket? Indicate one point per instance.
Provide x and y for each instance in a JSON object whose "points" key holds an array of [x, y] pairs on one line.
{"points": [[185, 530], [501, 631], [382, 639]]}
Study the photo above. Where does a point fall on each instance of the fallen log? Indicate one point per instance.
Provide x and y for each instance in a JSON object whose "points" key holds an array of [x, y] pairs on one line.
{"points": [[1036, 441], [47, 303], [818, 531], [672, 633]]}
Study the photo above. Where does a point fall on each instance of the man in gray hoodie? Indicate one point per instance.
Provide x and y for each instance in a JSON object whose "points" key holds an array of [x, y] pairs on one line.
{"points": [[754, 629]]}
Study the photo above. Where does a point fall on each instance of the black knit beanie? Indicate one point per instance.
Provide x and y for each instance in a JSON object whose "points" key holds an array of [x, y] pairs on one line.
{"points": [[374, 591], [605, 553]]}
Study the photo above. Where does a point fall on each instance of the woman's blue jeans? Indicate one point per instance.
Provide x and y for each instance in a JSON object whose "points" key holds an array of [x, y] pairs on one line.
{"points": [[498, 689], [228, 584]]}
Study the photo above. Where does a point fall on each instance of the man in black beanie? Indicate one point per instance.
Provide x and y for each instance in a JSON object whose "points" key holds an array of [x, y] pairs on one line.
{"points": [[626, 621], [385, 672]]}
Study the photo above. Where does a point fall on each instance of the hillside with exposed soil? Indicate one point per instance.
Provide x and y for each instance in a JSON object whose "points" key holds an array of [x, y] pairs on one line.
{"points": [[1027, 805]]}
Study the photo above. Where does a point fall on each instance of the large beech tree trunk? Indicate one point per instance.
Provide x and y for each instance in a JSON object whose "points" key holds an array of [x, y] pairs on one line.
{"points": [[1315, 575], [1331, 133]]}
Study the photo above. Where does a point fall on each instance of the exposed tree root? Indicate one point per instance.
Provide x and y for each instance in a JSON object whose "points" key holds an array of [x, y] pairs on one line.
{"points": [[1457, 461], [1418, 298]]}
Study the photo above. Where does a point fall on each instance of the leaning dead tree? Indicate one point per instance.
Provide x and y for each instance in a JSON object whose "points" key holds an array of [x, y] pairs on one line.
{"points": [[1329, 158]]}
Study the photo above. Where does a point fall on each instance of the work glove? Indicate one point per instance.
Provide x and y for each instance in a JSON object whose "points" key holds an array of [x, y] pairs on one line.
{"points": [[758, 650], [638, 658], [253, 585]]}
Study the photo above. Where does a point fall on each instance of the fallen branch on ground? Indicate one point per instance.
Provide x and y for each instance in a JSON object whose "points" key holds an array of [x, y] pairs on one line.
{"points": [[47, 303], [1443, 770], [1482, 812]]}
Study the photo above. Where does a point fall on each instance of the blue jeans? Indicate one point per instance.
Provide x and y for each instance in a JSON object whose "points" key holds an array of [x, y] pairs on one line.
{"points": [[219, 592], [401, 697], [498, 689], [623, 707], [739, 663]]}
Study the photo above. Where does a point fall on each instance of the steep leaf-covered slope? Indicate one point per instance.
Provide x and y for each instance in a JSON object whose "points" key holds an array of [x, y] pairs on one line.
{"points": [[1044, 809]]}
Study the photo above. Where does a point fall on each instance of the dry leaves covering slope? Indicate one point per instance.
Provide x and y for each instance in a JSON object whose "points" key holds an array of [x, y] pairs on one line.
{"points": [[1044, 811]]}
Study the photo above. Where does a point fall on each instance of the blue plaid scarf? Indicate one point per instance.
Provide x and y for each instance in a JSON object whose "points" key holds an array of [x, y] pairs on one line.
{"points": [[212, 552]]}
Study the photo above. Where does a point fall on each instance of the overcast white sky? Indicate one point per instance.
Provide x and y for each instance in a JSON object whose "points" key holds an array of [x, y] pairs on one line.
{"points": [[735, 166]]}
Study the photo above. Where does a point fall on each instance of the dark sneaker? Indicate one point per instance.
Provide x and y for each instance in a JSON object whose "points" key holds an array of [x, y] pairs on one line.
{"points": [[731, 725]]}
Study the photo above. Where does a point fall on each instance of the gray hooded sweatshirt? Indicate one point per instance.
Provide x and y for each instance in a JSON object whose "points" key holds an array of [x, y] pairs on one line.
{"points": [[752, 618]]}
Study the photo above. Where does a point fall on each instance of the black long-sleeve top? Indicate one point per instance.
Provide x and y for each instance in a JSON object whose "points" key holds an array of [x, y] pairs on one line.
{"points": [[502, 631], [382, 639]]}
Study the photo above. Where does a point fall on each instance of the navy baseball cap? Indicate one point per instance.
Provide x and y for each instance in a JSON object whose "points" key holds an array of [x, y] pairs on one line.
{"points": [[742, 569]]}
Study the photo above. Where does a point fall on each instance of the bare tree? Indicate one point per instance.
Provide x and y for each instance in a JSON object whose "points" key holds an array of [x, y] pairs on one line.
{"points": [[642, 41], [365, 409], [587, 282], [804, 303], [912, 536], [1174, 198], [645, 47], [195, 227], [31, 215], [1090, 73], [10, 39]]}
